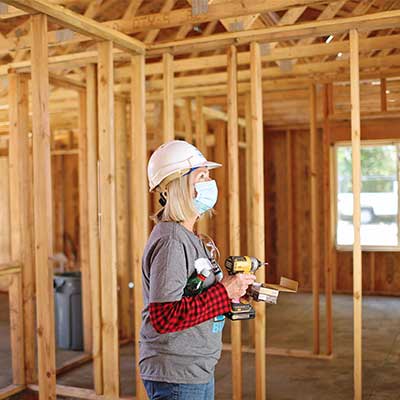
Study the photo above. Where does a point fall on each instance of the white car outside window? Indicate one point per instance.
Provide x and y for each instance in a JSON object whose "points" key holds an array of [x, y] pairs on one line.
{"points": [[379, 198]]}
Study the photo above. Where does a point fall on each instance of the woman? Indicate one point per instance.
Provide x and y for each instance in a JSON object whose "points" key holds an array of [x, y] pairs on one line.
{"points": [[180, 339]]}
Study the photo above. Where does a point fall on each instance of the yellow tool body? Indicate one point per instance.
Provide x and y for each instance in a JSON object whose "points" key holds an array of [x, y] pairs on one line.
{"points": [[242, 265]]}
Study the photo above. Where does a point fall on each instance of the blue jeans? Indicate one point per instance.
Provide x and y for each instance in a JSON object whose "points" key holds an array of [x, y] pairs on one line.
{"points": [[179, 391]]}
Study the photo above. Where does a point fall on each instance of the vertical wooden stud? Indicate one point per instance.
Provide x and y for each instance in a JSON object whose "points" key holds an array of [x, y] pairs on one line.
{"points": [[313, 216], [121, 163], [43, 208], [234, 213], [200, 126], [221, 176], [21, 205], [258, 210], [201, 131], [168, 106], [93, 224], [383, 95], [329, 247], [83, 225], [249, 214], [17, 329], [187, 116], [249, 226], [289, 194], [372, 269], [108, 244], [5, 215], [58, 201], [356, 156], [139, 190]]}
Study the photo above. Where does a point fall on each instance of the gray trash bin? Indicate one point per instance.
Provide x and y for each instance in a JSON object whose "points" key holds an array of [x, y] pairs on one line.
{"points": [[68, 310]]}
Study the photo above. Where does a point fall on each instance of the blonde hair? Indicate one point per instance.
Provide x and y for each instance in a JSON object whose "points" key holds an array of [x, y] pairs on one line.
{"points": [[179, 206]]}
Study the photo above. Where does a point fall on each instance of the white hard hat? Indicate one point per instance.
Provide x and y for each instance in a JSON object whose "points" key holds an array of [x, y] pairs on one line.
{"points": [[172, 160]]}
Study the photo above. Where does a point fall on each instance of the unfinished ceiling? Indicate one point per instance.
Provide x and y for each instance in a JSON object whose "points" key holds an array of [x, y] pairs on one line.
{"points": [[289, 65]]}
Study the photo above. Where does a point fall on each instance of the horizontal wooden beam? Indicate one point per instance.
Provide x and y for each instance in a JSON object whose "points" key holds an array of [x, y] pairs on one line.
{"points": [[368, 22], [210, 112], [281, 352], [80, 23], [10, 268], [161, 20], [215, 61], [13, 13], [78, 393], [298, 70], [216, 11], [10, 390]]}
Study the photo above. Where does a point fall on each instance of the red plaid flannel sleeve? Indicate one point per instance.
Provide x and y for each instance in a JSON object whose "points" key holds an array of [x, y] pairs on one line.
{"points": [[190, 311]]}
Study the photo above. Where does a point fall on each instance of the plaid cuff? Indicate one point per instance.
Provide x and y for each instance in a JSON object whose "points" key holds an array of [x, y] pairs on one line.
{"points": [[190, 311]]}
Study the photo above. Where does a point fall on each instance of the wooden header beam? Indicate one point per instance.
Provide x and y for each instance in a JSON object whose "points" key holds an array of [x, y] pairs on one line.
{"points": [[79, 23], [370, 22], [215, 12]]}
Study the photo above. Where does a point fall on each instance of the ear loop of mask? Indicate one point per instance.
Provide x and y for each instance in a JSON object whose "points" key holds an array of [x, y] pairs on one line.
{"points": [[163, 195], [163, 199]]}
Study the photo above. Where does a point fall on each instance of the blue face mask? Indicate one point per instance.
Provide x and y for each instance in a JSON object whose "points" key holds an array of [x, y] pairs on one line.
{"points": [[207, 194]]}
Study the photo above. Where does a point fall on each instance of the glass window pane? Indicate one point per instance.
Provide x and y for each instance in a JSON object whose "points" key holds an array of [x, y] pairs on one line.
{"points": [[379, 196]]}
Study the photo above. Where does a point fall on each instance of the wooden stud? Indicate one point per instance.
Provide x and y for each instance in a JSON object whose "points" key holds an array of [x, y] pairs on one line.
{"points": [[372, 268], [249, 226], [258, 208], [108, 244], [200, 137], [17, 329], [42, 209], [58, 198], [187, 116], [383, 95], [5, 239], [121, 163], [234, 213], [333, 215], [71, 206], [21, 206], [168, 105], [313, 216], [249, 213], [356, 161], [221, 176], [289, 182], [83, 225], [93, 224], [329, 245], [139, 190]]}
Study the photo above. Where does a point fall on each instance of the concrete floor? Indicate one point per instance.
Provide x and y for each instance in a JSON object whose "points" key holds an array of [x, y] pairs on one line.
{"points": [[289, 326]]}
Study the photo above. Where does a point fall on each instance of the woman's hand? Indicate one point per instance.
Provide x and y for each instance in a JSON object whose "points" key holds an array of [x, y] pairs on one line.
{"points": [[236, 285]]}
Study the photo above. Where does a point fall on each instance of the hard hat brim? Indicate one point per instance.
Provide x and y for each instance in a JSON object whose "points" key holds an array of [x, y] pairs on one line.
{"points": [[212, 165]]}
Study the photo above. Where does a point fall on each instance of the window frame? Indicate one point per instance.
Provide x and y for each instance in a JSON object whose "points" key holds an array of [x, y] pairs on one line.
{"points": [[334, 194]]}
